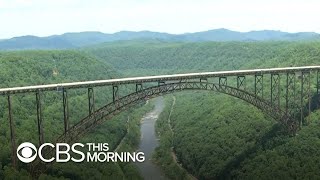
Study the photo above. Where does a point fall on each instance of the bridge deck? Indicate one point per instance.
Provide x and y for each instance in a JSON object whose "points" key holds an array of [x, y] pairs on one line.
{"points": [[133, 80]]}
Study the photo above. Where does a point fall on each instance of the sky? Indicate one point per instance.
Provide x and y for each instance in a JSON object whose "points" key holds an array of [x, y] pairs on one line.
{"points": [[50, 17]]}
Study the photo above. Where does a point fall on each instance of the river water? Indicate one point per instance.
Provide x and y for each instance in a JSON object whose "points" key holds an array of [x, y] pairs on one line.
{"points": [[149, 142]]}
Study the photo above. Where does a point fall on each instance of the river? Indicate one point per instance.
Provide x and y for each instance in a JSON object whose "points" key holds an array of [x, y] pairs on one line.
{"points": [[149, 142]]}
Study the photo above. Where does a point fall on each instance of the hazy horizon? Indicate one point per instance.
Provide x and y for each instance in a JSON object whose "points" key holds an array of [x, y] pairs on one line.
{"points": [[53, 17], [156, 32]]}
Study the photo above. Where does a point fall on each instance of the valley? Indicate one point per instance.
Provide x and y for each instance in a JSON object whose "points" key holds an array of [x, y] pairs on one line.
{"points": [[215, 136]]}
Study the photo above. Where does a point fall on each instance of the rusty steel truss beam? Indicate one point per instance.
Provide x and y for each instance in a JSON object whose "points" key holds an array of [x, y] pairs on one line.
{"points": [[115, 107], [282, 104], [39, 117], [163, 78], [115, 94], [275, 90], [258, 85], [91, 102], [139, 87], [241, 82], [223, 82], [305, 96], [12, 134], [290, 97], [318, 88], [65, 105], [318, 82]]}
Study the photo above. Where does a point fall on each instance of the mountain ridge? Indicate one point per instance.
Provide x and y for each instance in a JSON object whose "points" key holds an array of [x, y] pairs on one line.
{"points": [[80, 39]]}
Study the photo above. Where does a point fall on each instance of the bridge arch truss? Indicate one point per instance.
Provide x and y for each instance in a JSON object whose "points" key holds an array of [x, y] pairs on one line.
{"points": [[285, 94]]}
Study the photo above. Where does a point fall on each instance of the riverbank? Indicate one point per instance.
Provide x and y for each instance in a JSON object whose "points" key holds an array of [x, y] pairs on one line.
{"points": [[164, 155], [130, 141], [173, 154]]}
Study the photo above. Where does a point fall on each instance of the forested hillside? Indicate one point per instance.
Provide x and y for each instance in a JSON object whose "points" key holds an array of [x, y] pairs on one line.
{"points": [[154, 57], [44, 67], [216, 136], [22, 68]]}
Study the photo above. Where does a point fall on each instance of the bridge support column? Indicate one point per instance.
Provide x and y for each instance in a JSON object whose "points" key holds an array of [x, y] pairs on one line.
{"points": [[12, 134], [275, 90], [223, 83], [181, 84], [258, 85], [65, 110], [160, 83], [318, 82], [305, 97], [291, 94], [205, 86], [39, 117], [318, 88], [114, 93], [139, 87], [91, 102], [241, 82]]}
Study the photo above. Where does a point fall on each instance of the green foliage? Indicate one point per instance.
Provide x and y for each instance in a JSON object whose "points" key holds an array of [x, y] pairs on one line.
{"points": [[208, 134], [154, 58], [24, 68], [163, 155], [42, 67], [290, 158], [216, 136]]}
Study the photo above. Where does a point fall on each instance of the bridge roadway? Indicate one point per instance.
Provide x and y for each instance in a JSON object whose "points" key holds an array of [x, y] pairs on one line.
{"points": [[135, 80]]}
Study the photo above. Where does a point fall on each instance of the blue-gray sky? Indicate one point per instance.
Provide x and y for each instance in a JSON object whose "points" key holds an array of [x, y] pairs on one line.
{"points": [[48, 17]]}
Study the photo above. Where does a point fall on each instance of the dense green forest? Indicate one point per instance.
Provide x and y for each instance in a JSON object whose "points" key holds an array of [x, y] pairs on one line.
{"points": [[214, 141], [154, 57], [43, 67], [216, 136], [164, 155]]}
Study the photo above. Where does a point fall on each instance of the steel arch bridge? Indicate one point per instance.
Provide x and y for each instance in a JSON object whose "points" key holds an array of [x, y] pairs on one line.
{"points": [[282, 93]]}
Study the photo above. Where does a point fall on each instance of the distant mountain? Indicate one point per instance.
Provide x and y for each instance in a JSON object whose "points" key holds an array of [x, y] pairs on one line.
{"points": [[89, 38], [74, 40], [34, 42], [213, 35], [265, 35]]}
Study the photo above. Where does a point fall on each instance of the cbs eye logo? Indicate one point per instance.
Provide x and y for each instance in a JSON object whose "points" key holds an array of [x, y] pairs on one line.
{"points": [[25, 151]]}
